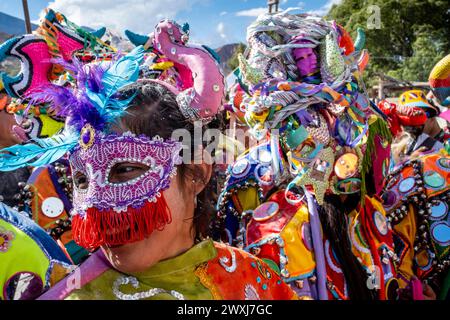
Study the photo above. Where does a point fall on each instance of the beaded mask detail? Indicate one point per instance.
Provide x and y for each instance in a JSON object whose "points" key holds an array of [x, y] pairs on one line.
{"points": [[107, 213], [96, 163]]}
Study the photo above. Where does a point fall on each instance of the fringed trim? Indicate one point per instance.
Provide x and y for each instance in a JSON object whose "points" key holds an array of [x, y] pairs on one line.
{"points": [[107, 227], [378, 128]]}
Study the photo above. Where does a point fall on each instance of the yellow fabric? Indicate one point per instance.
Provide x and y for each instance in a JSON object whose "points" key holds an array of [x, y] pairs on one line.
{"points": [[50, 126], [301, 260], [360, 247], [163, 65], [406, 229], [24, 255], [442, 69], [248, 199], [412, 97]]}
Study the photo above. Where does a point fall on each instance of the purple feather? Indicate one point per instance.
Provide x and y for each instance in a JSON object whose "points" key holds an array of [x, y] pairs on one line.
{"points": [[74, 103], [89, 74]]}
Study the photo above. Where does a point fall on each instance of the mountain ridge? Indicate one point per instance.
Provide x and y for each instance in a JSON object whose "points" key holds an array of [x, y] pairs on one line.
{"points": [[12, 26]]}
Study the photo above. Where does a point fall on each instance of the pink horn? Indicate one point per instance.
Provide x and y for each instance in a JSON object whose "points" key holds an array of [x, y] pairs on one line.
{"points": [[203, 100]]}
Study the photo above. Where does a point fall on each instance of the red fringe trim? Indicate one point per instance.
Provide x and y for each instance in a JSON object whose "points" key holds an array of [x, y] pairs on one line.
{"points": [[107, 227]]}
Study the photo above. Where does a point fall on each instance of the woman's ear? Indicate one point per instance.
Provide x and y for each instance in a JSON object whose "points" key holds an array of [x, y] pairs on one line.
{"points": [[206, 172]]}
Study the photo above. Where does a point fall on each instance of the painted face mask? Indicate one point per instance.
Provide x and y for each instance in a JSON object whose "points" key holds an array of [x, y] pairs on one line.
{"points": [[115, 213]]}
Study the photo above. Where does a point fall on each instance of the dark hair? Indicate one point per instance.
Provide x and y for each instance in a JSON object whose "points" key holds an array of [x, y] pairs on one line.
{"points": [[154, 111], [333, 217]]}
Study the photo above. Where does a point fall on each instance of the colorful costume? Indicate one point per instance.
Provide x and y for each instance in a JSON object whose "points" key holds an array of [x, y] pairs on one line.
{"points": [[30, 261], [46, 195], [203, 272], [301, 94], [416, 199], [111, 213]]}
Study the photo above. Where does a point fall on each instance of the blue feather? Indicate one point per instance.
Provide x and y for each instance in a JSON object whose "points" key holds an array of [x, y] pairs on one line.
{"points": [[37, 153], [123, 72]]}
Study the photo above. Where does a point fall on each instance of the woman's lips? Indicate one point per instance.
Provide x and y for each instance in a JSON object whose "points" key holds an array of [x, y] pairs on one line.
{"points": [[19, 132]]}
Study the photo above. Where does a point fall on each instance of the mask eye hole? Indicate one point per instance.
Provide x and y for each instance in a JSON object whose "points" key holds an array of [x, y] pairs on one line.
{"points": [[80, 180], [126, 171]]}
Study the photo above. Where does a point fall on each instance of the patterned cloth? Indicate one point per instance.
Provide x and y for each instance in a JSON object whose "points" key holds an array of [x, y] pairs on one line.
{"points": [[207, 271], [31, 261]]}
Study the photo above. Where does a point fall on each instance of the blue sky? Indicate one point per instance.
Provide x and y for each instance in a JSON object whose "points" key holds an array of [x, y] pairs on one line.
{"points": [[213, 22]]}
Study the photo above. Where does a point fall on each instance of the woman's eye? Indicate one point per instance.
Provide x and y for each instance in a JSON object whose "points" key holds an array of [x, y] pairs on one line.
{"points": [[123, 172], [81, 181], [126, 169]]}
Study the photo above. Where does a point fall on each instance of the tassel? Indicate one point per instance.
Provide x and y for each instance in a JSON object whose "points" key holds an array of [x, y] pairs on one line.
{"points": [[107, 227], [378, 128]]}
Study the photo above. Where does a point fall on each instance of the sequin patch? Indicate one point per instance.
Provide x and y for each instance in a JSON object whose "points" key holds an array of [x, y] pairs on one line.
{"points": [[433, 179], [441, 233], [241, 168], [439, 210], [380, 223], [389, 199], [251, 293], [6, 238], [444, 163], [265, 211], [406, 185]]}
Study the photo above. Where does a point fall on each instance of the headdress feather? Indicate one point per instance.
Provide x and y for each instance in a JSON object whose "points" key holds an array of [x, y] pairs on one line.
{"points": [[37, 153], [93, 101]]}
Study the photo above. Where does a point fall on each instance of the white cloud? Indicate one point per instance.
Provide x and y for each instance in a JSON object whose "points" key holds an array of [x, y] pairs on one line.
{"points": [[251, 12], [223, 13], [137, 15], [325, 8], [221, 30], [284, 1]]}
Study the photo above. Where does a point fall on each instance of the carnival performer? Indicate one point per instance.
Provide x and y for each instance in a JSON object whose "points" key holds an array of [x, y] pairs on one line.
{"points": [[133, 196], [10, 180], [413, 122], [45, 192], [305, 198], [416, 197]]}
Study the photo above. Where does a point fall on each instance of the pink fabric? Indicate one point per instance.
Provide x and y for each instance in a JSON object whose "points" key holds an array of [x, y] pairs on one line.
{"points": [[417, 289], [209, 87], [68, 45], [381, 158], [89, 270], [445, 115], [37, 51]]}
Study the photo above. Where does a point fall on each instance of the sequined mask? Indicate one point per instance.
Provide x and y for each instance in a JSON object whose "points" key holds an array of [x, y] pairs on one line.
{"points": [[110, 213], [96, 156]]}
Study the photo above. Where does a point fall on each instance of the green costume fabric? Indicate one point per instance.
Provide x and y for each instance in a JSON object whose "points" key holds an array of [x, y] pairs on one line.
{"points": [[172, 274], [20, 254]]}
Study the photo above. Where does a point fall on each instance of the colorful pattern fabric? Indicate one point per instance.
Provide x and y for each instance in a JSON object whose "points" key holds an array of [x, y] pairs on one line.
{"points": [[206, 271], [31, 261], [416, 200]]}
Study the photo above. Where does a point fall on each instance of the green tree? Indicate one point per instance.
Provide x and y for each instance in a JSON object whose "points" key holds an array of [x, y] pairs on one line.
{"points": [[233, 63], [412, 36]]}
